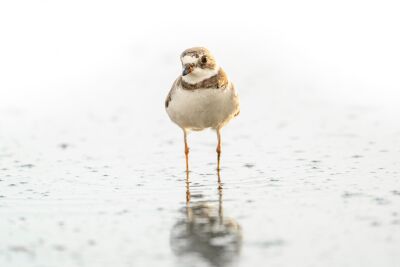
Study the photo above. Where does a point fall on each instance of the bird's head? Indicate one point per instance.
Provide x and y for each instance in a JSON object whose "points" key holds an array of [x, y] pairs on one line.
{"points": [[198, 64]]}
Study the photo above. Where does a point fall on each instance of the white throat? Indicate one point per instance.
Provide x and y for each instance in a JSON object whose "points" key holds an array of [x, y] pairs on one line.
{"points": [[198, 75]]}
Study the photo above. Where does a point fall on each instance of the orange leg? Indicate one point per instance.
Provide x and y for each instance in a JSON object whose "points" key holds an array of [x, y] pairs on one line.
{"points": [[187, 189], [219, 149], [186, 151], [219, 182]]}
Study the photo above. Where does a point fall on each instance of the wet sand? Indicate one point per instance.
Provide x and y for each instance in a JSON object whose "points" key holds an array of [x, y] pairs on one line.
{"points": [[304, 182]]}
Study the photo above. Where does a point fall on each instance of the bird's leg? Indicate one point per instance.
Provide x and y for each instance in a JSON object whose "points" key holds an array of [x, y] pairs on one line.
{"points": [[219, 149], [219, 182], [220, 206], [187, 190], [186, 151]]}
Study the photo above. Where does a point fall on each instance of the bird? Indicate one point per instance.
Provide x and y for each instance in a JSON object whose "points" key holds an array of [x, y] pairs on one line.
{"points": [[201, 97]]}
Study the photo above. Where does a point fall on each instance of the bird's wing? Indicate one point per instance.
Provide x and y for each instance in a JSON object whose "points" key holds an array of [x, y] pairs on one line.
{"points": [[235, 96], [173, 88]]}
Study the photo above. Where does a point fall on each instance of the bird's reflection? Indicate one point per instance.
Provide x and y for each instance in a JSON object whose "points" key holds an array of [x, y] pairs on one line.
{"points": [[204, 232]]}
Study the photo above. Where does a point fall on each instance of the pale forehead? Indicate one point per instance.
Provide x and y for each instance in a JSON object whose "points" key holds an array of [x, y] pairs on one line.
{"points": [[189, 59]]}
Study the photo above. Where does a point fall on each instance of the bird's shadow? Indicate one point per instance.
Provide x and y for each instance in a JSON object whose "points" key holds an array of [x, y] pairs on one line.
{"points": [[205, 233]]}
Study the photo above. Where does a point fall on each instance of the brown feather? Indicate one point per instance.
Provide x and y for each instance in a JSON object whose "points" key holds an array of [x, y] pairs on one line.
{"points": [[217, 81], [177, 82]]}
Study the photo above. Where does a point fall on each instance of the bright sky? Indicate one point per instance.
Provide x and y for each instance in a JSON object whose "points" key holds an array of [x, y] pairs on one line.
{"points": [[346, 50]]}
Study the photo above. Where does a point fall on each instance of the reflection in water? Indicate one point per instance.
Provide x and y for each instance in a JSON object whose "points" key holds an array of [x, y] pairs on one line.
{"points": [[205, 233]]}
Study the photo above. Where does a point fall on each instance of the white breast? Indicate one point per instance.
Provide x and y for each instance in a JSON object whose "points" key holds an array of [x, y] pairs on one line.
{"points": [[203, 108]]}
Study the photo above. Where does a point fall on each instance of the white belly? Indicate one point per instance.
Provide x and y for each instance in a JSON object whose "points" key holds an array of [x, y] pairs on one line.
{"points": [[203, 108]]}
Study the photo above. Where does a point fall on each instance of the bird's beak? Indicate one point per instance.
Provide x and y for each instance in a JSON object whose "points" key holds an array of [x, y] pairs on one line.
{"points": [[188, 69]]}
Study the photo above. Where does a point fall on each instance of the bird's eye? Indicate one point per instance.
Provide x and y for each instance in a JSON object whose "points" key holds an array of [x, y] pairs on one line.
{"points": [[203, 59]]}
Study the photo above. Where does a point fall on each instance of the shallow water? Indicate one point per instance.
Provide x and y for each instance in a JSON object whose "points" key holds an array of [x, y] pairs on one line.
{"points": [[304, 183]]}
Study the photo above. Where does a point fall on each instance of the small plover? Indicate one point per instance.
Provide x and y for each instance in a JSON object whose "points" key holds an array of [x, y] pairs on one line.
{"points": [[202, 97]]}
